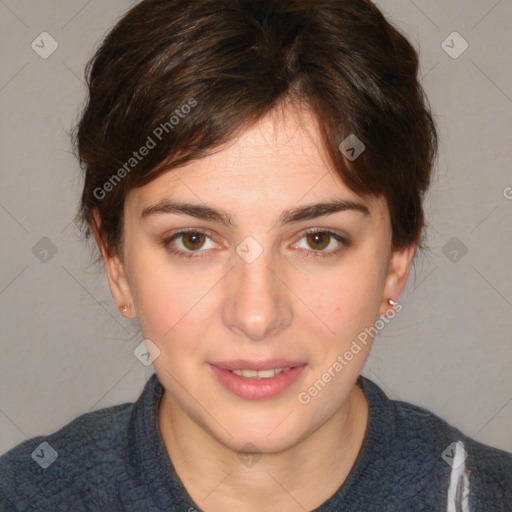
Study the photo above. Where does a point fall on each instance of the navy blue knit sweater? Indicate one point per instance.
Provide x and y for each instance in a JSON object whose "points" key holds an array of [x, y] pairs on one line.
{"points": [[114, 460]]}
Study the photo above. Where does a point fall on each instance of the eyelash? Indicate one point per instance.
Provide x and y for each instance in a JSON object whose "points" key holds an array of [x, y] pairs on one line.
{"points": [[310, 254]]}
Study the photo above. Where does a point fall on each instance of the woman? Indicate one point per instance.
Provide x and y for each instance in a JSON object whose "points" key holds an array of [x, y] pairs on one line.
{"points": [[254, 177]]}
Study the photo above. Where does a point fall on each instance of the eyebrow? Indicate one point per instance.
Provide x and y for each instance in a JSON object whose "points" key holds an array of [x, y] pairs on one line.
{"points": [[291, 216]]}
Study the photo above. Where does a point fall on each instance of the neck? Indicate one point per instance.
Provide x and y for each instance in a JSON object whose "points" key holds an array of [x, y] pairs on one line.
{"points": [[301, 477]]}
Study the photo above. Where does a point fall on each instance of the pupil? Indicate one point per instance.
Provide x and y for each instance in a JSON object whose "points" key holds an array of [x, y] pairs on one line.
{"points": [[316, 238], [191, 240]]}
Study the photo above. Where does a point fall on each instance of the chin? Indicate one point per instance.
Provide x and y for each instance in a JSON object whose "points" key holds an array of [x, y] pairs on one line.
{"points": [[270, 436], [258, 442]]}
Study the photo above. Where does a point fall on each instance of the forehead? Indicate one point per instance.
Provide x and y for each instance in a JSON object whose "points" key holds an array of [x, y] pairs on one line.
{"points": [[280, 160]]}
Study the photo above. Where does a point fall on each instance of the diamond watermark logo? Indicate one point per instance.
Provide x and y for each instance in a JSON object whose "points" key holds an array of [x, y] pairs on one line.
{"points": [[44, 250], [249, 455], [45, 455], [455, 455], [249, 250], [454, 45], [454, 250], [44, 45], [146, 352], [352, 147]]}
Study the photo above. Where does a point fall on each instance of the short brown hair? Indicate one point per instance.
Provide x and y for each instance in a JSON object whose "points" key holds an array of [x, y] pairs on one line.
{"points": [[231, 62]]}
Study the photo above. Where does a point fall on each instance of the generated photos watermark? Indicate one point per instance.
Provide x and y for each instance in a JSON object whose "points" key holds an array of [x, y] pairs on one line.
{"points": [[151, 143], [304, 397]]}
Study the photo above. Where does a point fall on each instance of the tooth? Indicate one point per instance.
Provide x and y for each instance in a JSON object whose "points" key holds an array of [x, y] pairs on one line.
{"points": [[261, 374], [265, 374]]}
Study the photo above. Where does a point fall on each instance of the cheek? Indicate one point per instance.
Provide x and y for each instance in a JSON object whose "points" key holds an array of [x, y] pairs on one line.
{"points": [[348, 299], [171, 303]]}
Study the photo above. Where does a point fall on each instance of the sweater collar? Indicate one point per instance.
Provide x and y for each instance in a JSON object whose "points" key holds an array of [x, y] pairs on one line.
{"points": [[155, 468]]}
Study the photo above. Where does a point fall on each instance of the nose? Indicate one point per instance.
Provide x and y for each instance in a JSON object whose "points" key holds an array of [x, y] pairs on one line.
{"points": [[257, 303]]}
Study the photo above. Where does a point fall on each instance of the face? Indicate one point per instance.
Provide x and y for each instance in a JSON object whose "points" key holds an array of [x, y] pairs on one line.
{"points": [[251, 275]]}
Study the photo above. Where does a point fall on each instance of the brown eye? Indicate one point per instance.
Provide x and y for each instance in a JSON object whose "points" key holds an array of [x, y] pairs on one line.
{"points": [[318, 241], [193, 240], [190, 243], [321, 243]]}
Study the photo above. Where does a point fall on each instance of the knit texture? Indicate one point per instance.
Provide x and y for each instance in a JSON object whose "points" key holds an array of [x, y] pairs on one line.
{"points": [[114, 459]]}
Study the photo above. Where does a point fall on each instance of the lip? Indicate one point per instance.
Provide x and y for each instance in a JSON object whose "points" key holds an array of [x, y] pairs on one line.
{"points": [[257, 389], [267, 364]]}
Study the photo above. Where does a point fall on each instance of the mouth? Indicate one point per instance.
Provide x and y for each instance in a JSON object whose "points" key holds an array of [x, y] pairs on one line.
{"points": [[260, 374], [257, 380]]}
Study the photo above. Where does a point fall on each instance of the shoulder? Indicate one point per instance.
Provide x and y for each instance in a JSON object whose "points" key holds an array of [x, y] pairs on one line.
{"points": [[479, 473], [419, 423], [476, 472], [67, 462]]}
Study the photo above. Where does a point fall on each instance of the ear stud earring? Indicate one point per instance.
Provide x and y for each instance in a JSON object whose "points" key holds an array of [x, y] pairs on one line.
{"points": [[124, 308]]}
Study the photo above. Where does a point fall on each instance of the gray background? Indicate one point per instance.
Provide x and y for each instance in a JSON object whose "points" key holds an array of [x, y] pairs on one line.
{"points": [[65, 348]]}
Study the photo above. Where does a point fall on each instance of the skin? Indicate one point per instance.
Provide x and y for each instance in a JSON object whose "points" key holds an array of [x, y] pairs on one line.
{"points": [[282, 305]]}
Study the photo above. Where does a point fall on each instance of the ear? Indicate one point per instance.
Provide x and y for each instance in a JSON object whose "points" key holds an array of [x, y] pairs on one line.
{"points": [[116, 275], [396, 279]]}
